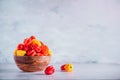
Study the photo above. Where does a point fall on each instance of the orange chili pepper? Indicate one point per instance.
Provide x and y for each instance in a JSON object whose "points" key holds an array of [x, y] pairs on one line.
{"points": [[68, 67], [35, 41]]}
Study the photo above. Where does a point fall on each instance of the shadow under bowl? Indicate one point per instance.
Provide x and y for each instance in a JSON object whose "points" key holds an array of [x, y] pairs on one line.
{"points": [[32, 63]]}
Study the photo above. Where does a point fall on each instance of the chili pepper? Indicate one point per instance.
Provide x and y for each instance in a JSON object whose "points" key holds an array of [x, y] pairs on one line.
{"points": [[44, 50], [31, 53], [36, 47], [27, 48], [27, 41], [20, 46], [35, 41], [15, 52], [49, 52], [63, 67], [20, 52], [32, 37], [49, 70], [67, 67]]}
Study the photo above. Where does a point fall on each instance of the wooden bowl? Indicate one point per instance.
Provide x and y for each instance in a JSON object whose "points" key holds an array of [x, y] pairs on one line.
{"points": [[32, 63]]}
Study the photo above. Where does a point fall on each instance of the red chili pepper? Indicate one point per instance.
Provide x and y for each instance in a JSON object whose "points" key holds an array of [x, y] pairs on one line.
{"points": [[27, 41], [28, 47], [31, 53], [63, 67], [36, 48], [49, 70], [32, 37], [20, 46]]}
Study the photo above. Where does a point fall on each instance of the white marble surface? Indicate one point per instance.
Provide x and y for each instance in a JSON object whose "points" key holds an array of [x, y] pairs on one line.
{"points": [[81, 72], [84, 31]]}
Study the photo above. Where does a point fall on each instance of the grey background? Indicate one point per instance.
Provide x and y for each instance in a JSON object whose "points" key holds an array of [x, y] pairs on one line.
{"points": [[79, 31]]}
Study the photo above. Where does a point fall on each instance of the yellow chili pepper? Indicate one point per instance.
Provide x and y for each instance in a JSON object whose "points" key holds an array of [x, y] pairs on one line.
{"points": [[68, 67], [49, 52], [15, 52], [35, 41], [20, 52]]}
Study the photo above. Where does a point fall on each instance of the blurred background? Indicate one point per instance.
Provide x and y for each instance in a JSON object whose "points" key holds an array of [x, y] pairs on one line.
{"points": [[78, 31]]}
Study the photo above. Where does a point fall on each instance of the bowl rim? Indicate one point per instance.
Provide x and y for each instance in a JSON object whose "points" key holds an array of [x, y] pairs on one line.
{"points": [[31, 56]]}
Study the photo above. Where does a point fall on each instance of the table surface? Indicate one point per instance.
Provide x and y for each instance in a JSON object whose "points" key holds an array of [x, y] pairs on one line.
{"points": [[81, 71]]}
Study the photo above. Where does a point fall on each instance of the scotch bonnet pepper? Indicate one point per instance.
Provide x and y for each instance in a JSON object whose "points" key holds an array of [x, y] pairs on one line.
{"points": [[67, 67], [49, 70]]}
